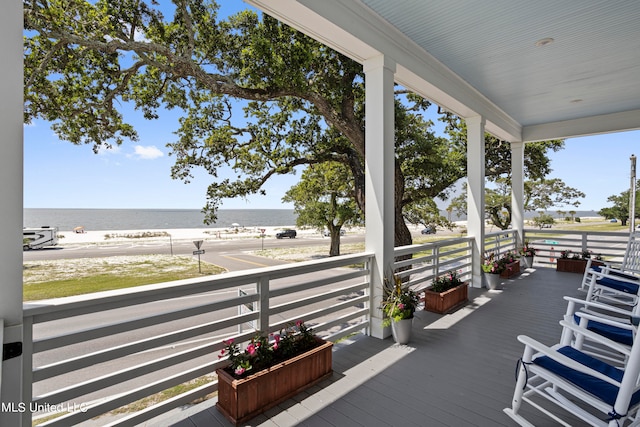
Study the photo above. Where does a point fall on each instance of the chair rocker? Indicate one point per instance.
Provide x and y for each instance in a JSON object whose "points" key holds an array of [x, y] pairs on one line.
{"points": [[581, 385], [628, 270], [612, 287], [608, 321]]}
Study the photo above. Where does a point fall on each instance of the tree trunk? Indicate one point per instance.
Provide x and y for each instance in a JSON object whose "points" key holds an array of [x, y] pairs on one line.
{"points": [[334, 248], [402, 233]]}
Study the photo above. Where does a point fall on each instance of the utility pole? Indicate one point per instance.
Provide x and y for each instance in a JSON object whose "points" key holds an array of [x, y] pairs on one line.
{"points": [[632, 195]]}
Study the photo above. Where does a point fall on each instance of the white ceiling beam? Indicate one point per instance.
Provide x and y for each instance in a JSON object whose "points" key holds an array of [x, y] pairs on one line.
{"points": [[606, 123]]}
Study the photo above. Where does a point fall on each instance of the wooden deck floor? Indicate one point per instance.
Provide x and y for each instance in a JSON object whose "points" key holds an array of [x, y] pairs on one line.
{"points": [[458, 369]]}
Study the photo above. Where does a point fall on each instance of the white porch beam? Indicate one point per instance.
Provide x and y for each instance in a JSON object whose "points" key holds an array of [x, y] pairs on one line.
{"points": [[475, 192], [517, 189], [606, 123], [379, 177], [11, 161]]}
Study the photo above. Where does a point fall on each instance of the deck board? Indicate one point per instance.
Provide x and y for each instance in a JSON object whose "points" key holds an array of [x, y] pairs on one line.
{"points": [[458, 369]]}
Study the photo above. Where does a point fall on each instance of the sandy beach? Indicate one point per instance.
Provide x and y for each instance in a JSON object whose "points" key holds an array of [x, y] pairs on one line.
{"points": [[112, 236]]}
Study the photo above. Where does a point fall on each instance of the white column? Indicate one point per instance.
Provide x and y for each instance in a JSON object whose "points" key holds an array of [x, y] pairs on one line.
{"points": [[379, 177], [517, 190], [475, 192], [11, 103]]}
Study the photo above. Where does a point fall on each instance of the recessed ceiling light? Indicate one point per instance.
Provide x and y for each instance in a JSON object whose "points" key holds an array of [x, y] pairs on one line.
{"points": [[544, 42]]}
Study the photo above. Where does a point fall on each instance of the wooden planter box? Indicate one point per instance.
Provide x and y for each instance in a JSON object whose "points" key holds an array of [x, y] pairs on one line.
{"points": [[447, 301], [240, 400], [570, 265], [513, 269]]}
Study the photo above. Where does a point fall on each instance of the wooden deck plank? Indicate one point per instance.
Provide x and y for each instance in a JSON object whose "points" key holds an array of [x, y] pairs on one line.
{"points": [[458, 369]]}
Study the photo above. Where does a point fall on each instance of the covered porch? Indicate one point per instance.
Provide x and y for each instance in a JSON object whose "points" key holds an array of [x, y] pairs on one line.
{"points": [[376, 383], [458, 369]]}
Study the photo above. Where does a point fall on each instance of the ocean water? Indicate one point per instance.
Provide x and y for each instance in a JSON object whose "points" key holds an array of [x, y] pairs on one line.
{"points": [[153, 219]]}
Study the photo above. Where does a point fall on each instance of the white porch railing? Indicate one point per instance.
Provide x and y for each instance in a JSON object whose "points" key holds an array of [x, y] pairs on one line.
{"points": [[550, 243], [136, 342], [140, 341], [420, 264]]}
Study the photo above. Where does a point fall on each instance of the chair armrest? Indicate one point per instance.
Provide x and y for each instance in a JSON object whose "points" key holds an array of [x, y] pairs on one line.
{"points": [[600, 306], [621, 323], [542, 349], [603, 274], [593, 336]]}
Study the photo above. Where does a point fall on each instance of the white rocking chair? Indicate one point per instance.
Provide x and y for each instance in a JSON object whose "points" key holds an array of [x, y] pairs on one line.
{"points": [[586, 387], [608, 321], [628, 270], [612, 286]]}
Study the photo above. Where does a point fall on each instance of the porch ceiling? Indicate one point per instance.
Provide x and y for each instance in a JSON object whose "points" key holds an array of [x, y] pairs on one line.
{"points": [[475, 57]]}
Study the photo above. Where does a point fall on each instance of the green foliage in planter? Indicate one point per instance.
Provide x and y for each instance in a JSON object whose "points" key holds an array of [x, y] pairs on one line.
{"points": [[261, 353], [445, 282]]}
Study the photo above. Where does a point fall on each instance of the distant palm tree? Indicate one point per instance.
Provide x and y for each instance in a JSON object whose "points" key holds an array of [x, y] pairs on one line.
{"points": [[573, 214]]}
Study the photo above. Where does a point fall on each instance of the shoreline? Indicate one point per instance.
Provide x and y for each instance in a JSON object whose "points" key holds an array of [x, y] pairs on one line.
{"points": [[223, 233], [69, 237]]}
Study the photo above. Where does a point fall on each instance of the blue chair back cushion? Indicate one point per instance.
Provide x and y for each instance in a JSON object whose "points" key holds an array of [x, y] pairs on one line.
{"points": [[629, 288], [619, 335], [601, 389], [616, 273]]}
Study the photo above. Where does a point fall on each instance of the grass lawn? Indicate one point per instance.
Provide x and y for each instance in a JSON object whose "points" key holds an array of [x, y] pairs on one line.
{"points": [[61, 278]]}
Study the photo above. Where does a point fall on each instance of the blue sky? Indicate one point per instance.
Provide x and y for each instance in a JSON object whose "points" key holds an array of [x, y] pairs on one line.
{"points": [[58, 174]]}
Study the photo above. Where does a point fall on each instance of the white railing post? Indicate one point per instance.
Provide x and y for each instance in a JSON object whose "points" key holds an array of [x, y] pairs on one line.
{"points": [[1, 342], [262, 287], [27, 368]]}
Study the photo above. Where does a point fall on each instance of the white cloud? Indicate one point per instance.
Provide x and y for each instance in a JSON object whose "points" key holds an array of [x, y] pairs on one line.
{"points": [[104, 150], [147, 153]]}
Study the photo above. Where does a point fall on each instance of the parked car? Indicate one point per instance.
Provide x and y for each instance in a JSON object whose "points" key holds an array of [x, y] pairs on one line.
{"points": [[429, 230], [286, 233]]}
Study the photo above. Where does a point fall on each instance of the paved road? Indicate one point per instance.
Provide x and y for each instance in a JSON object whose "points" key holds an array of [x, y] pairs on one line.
{"points": [[230, 254]]}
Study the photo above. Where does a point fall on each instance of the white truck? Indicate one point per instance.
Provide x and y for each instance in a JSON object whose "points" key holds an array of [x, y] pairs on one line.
{"points": [[38, 238]]}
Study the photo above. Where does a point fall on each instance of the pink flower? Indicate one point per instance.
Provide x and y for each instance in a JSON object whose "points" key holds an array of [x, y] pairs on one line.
{"points": [[228, 342], [298, 323], [401, 306], [239, 370], [251, 349]]}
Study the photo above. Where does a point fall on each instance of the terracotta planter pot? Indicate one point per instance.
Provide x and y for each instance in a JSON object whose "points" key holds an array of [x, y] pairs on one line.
{"points": [[569, 265], [240, 400], [513, 269], [447, 301]]}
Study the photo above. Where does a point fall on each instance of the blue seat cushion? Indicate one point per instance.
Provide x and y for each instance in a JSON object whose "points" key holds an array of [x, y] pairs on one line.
{"points": [[614, 333], [601, 389], [616, 273], [619, 285]]}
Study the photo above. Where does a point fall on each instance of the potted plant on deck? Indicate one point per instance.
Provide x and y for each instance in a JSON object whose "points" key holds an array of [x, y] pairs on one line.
{"points": [[527, 253], [447, 293], [575, 262], [398, 305], [492, 269], [510, 265], [270, 370]]}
